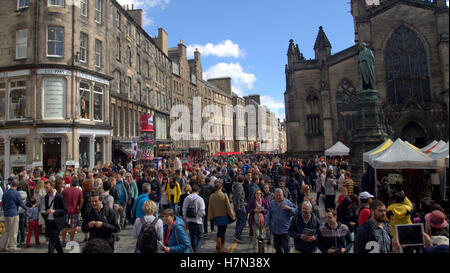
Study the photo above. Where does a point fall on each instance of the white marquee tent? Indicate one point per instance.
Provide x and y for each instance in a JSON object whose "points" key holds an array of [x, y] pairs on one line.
{"points": [[400, 155], [338, 149]]}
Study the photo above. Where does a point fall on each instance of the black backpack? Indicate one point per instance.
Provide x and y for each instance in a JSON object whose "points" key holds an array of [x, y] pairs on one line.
{"points": [[147, 239], [191, 210]]}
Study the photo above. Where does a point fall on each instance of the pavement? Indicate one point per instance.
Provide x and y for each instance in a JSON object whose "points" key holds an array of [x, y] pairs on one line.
{"points": [[127, 243]]}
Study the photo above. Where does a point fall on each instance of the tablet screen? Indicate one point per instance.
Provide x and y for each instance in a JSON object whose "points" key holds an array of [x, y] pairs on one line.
{"points": [[410, 235]]}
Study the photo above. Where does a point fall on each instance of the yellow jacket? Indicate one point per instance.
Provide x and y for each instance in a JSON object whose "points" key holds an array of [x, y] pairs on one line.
{"points": [[176, 193], [399, 214]]}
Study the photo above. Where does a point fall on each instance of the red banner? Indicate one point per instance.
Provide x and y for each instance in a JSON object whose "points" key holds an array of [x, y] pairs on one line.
{"points": [[146, 123]]}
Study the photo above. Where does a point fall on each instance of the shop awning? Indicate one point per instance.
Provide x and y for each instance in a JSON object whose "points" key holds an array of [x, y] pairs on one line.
{"points": [[400, 155], [338, 149]]}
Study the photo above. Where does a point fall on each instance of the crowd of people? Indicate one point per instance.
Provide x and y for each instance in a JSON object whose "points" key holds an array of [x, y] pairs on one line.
{"points": [[171, 209]]}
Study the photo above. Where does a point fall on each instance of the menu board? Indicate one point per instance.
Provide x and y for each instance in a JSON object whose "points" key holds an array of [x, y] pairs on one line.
{"points": [[54, 97]]}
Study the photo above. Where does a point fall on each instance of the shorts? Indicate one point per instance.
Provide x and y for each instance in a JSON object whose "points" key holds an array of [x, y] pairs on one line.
{"points": [[73, 221]]}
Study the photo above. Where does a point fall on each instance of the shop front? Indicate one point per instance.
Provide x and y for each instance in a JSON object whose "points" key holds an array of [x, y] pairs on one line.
{"points": [[15, 156], [93, 147], [51, 153]]}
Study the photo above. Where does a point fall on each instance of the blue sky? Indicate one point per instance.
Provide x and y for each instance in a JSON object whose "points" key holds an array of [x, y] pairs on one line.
{"points": [[248, 39]]}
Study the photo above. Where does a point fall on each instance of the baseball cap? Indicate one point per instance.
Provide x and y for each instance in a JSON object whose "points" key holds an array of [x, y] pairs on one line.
{"points": [[365, 195]]}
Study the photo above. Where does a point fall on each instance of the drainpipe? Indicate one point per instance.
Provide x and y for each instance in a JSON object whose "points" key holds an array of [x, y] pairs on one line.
{"points": [[73, 84]]}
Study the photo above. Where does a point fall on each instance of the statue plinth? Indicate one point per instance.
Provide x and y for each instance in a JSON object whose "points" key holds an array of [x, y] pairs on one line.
{"points": [[370, 129]]}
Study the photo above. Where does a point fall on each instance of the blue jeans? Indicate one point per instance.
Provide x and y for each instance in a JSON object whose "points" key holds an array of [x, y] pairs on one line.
{"points": [[175, 208], [241, 218], [195, 232]]}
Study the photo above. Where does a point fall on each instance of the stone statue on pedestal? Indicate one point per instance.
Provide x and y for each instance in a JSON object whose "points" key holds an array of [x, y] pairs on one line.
{"points": [[366, 67]]}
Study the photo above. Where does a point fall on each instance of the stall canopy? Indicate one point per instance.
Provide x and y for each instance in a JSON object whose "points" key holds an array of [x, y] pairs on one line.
{"points": [[439, 146], [429, 146], [400, 155], [338, 149], [439, 153], [383, 146]]}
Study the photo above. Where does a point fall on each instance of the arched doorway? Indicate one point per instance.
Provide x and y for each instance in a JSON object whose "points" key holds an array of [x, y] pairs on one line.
{"points": [[414, 134]]}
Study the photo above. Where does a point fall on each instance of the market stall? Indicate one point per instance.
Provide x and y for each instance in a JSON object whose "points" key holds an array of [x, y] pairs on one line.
{"points": [[338, 149], [406, 168]]}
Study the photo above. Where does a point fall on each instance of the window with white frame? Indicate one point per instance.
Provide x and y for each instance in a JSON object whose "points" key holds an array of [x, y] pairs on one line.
{"points": [[138, 63], [98, 11], [83, 47], [118, 16], [118, 49], [139, 95], [118, 80], [112, 118], [98, 53], [84, 7], [85, 99], [146, 46], [129, 56], [130, 123], [17, 99], [55, 41], [119, 127], [54, 97], [21, 43], [128, 29], [2, 100], [98, 103], [129, 86], [21, 4], [147, 69], [56, 3], [138, 38]]}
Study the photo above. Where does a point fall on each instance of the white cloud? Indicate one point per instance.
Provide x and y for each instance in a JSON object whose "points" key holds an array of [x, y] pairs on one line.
{"points": [[274, 105], [241, 80], [223, 49]]}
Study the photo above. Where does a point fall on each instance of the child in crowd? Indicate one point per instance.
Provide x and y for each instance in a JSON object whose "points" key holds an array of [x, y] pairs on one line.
{"points": [[344, 193], [33, 222]]}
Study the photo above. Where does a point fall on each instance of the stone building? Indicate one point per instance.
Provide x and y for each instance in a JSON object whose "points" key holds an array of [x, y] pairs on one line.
{"points": [[140, 68], [409, 39], [54, 85], [188, 84]]}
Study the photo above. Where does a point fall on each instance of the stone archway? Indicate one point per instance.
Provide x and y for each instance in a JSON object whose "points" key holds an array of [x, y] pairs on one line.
{"points": [[414, 134]]}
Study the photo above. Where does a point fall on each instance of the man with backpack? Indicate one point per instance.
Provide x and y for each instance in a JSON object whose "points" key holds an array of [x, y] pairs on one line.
{"points": [[304, 228], [193, 212], [148, 229]]}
